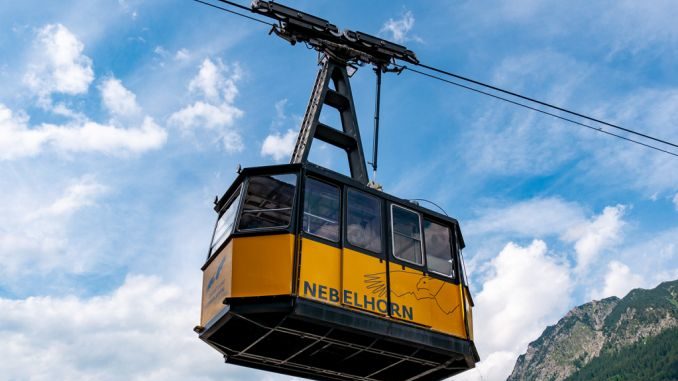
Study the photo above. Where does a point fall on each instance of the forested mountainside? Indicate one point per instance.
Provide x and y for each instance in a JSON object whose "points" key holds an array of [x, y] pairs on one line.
{"points": [[633, 338]]}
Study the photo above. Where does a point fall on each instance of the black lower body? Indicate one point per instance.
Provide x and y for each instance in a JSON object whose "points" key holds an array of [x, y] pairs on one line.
{"points": [[307, 339]]}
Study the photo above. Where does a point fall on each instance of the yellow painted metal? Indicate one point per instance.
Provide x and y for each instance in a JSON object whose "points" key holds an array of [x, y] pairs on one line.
{"points": [[363, 281], [262, 265], [359, 281], [216, 284], [248, 266], [320, 272], [469, 314], [425, 300]]}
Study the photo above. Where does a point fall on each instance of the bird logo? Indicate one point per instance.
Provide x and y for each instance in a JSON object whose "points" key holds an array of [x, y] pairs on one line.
{"points": [[216, 275], [404, 283]]}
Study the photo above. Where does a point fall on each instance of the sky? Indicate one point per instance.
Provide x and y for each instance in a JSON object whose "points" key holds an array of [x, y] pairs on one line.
{"points": [[121, 120]]}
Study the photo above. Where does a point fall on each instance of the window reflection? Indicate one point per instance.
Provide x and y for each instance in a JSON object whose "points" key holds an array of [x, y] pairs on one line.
{"points": [[406, 235], [438, 248], [225, 222], [363, 221], [321, 210], [268, 203]]}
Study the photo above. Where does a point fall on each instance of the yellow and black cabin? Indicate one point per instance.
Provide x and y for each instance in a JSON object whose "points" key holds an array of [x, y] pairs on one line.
{"points": [[313, 274]]}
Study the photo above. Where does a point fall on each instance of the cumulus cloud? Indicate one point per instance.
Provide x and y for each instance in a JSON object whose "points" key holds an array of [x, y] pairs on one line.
{"points": [[35, 239], [279, 146], [60, 65], [399, 29], [509, 298], [18, 140], [140, 331], [117, 99], [215, 88], [203, 114], [619, 280], [596, 235]]}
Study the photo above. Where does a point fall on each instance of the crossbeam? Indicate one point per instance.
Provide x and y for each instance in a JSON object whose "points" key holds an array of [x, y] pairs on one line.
{"points": [[298, 26]]}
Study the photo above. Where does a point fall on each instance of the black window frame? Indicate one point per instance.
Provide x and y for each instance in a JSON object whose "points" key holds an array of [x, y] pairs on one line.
{"points": [[340, 216], [383, 224], [392, 233], [290, 224]]}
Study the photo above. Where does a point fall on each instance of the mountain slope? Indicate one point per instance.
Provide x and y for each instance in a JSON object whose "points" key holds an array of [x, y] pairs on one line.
{"points": [[599, 329], [653, 359]]}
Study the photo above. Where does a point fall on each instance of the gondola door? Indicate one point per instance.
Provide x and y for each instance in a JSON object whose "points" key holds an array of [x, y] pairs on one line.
{"points": [[407, 279], [422, 282], [364, 271]]}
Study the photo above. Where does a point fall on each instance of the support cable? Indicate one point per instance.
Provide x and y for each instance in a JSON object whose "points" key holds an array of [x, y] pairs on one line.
{"points": [[494, 88], [234, 12], [466, 79], [375, 142], [599, 129]]}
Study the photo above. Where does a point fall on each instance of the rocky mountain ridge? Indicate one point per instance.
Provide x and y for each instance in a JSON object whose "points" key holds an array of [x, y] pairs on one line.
{"points": [[596, 328]]}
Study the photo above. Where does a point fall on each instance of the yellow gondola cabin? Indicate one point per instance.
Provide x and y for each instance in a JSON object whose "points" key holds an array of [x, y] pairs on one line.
{"points": [[313, 274]]}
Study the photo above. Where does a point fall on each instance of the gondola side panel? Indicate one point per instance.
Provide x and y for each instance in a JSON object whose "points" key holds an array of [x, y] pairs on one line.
{"points": [[425, 300], [364, 282], [320, 272], [262, 265], [216, 284]]}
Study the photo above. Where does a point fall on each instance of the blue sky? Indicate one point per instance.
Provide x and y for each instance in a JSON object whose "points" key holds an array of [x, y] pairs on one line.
{"points": [[121, 120]]}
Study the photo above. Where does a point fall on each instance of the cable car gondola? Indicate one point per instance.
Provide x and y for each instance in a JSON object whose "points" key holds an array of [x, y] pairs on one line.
{"points": [[315, 274]]}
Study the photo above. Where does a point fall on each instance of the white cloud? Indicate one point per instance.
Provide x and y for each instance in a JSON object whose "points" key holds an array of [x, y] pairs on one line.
{"points": [[78, 195], [117, 99], [675, 201], [495, 366], [594, 236], [203, 114], [182, 55], [279, 146], [211, 81], [216, 89], [34, 239], [537, 217], [159, 50], [507, 140], [18, 140], [141, 331], [399, 29], [59, 65], [510, 311], [651, 111], [619, 280]]}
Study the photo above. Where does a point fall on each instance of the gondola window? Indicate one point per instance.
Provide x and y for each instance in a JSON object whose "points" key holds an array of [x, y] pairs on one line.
{"points": [[268, 203], [225, 223], [406, 235], [363, 225], [438, 248], [321, 210]]}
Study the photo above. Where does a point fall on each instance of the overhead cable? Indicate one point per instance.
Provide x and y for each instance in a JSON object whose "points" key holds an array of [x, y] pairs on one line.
{"points": [[466, 79], [599, 129], [497, 89], [234, 12]]}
